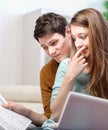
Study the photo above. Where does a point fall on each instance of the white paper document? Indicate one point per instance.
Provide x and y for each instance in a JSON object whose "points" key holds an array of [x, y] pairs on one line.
{"points": [[11, 120]]}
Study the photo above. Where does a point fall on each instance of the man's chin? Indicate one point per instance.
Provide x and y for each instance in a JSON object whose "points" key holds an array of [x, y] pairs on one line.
{"points": [[59, 60]]}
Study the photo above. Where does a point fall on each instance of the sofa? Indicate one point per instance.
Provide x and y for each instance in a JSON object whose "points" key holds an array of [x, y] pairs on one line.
{"points": [[28, 95]]}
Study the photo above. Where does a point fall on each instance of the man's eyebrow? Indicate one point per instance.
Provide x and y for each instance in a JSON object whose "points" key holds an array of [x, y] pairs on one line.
{"points": [[50, 42], [54, 40]]}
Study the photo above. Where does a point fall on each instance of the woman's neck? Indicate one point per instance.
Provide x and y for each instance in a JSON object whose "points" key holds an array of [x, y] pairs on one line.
{"points": [[86, 70]]}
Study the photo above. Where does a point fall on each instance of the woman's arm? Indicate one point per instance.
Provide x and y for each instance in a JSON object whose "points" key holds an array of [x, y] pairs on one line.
{"points": [[66, 80]]}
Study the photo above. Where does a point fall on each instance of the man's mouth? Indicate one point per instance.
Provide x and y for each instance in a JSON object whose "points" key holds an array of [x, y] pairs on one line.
{"points": [[57, 56]]}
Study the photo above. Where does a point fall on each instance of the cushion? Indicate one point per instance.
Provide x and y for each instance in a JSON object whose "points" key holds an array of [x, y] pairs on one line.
{"points": [[21, 93]]}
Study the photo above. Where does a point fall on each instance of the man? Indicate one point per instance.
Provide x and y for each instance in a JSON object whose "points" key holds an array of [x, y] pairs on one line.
{"points": [[52, 33]]}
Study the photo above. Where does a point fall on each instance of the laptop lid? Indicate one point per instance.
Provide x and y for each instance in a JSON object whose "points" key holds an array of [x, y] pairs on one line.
{"points": [[83, 112]]}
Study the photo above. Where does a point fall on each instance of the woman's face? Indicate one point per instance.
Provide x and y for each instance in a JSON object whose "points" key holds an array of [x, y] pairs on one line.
{"points": [[80, 38]]}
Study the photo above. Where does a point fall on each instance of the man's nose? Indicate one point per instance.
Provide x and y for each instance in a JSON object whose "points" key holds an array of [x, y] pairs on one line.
{"points": [[51, 50]]}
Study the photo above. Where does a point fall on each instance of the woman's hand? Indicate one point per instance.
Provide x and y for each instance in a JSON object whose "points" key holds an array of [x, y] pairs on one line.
{"points": [[77, 64]]}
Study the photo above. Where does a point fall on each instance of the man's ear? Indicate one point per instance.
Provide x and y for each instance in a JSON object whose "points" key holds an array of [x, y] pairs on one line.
{"points": [[68, 31]]}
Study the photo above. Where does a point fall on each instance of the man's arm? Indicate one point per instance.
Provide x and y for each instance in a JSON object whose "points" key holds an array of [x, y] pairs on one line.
{"points": [[36, 118], [47, 78]]}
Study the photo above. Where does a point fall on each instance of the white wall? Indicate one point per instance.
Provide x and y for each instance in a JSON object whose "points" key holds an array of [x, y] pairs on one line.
{"points": [[20, 54], [10, 49], [31, 49], [24, 6]]}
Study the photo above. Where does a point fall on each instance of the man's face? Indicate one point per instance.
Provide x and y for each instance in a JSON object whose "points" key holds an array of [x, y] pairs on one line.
{"points": [[56, 46]]}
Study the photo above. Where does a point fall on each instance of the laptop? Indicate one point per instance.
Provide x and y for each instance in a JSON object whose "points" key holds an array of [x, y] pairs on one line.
{"points": [[83, 112]]}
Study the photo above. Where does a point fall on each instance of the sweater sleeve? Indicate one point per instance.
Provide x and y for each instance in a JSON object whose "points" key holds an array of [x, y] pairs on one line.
{"points": [[47, 77], [62, 69]]}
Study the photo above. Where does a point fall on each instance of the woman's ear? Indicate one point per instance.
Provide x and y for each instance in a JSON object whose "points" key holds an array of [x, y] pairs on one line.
{"points": [[68, 31]]}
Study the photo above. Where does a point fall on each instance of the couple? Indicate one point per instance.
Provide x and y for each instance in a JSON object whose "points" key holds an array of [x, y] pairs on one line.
{"points": [[85, 41]]}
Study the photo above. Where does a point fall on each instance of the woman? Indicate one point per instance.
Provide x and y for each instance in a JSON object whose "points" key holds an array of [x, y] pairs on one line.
{"points": [[86, 71]]}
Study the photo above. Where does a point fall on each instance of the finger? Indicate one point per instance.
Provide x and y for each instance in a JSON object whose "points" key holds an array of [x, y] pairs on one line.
{"points": [[81, 57], [78, 52], [85, 64], [83, 60], [9, 105]]}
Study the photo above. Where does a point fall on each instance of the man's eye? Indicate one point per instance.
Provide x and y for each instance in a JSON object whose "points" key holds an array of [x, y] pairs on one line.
{"points": [[54, 43], [45, 47]]}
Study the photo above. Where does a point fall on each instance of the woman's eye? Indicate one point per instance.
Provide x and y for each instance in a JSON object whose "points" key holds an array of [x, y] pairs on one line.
{"points": [[83, 37]]}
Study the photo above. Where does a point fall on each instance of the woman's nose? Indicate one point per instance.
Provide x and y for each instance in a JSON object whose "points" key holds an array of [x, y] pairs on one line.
{"points": [[78, 44]]}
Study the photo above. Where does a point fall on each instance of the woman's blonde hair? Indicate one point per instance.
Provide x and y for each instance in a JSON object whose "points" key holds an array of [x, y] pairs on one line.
{"points": [[98, 40]]}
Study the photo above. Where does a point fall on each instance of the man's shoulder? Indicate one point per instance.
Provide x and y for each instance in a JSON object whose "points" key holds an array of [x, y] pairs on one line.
{"points": [[52, 64]]}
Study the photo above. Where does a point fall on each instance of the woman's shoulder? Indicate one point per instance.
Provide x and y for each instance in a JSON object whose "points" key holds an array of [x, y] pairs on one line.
{"points": [[65, 61], [64, 65]]}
